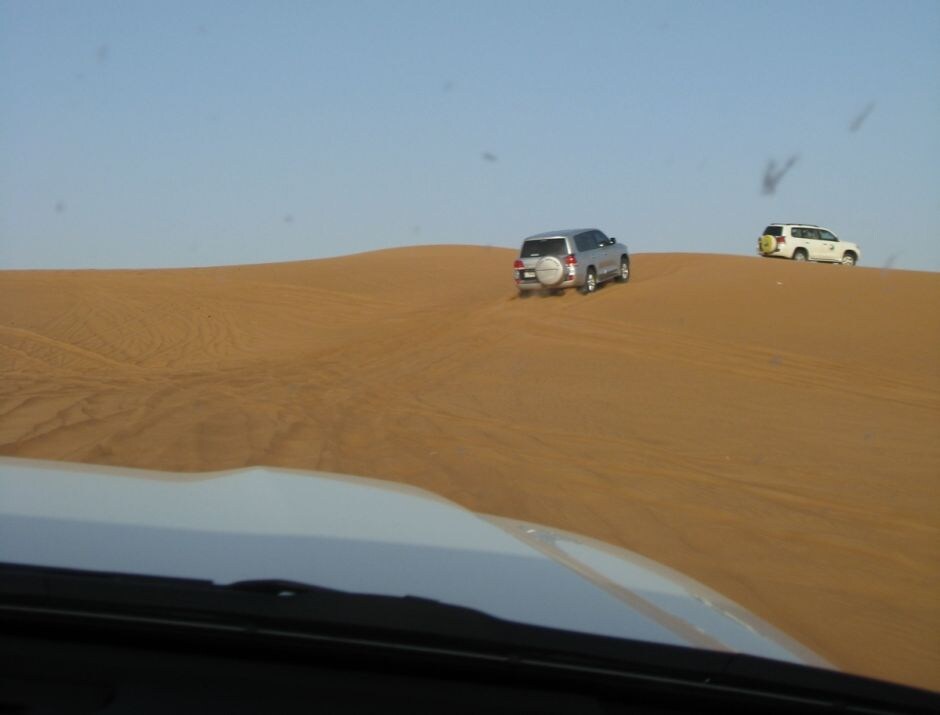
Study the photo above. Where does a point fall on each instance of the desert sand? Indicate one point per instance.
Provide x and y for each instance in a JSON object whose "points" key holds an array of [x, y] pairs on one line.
{"points": [[771, 429]]}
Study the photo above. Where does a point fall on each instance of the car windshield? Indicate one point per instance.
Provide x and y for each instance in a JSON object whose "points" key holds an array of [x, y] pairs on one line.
{"points": [[247, 247]]}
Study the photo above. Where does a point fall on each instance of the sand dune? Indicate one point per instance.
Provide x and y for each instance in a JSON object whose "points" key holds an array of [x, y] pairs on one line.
{"points": [[770, 428]]}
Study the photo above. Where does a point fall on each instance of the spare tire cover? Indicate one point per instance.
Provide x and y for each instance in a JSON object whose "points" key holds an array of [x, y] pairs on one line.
{"points": [[549, 271], [768, 244]]}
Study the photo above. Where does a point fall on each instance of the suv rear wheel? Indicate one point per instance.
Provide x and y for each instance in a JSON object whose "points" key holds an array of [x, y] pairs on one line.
{"points": [[799, 255], [590, 282]]}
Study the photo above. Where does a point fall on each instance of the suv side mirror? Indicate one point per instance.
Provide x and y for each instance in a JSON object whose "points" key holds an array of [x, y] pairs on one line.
{"points": [[611, 240]]}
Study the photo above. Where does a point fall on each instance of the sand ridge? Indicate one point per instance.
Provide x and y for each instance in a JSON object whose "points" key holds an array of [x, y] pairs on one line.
{"points": [[769, 428]]}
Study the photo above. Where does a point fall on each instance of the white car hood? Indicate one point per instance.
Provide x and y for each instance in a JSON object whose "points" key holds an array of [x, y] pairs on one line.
{"points": [[365, 536]]}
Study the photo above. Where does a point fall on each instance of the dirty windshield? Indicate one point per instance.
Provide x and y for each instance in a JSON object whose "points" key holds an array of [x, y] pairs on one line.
{"points": [[286, 237]]}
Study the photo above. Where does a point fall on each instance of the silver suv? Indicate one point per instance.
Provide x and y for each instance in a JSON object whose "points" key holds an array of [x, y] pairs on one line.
{"points": [[582, 258], [806, 242]]}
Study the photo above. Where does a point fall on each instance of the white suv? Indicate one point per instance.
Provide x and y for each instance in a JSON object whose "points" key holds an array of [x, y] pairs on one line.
{"points": [[806, 242]]}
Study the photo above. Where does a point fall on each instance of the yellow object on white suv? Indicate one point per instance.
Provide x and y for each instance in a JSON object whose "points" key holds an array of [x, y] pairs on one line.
{"points": [[806, 242]]}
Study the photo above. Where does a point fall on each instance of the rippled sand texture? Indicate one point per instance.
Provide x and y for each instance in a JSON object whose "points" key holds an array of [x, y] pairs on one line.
{"points": [[770, 428]]}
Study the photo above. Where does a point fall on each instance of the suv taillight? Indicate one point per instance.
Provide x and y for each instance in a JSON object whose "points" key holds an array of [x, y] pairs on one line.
{"points": [[571, 261], [518, 263], [781, 239]]}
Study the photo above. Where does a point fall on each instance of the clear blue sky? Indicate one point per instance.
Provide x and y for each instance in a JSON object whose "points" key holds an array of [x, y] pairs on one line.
{"points": [[170, 133]]}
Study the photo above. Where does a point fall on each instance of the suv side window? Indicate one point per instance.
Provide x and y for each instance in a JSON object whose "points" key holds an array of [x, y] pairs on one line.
{"points": [[797, 232], [811, 233], [585, 241], [826, 236], [601, 239]]}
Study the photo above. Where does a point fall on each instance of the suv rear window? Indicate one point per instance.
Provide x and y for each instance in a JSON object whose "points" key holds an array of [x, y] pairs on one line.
{"points": [[773, 231], [544, 247]]}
